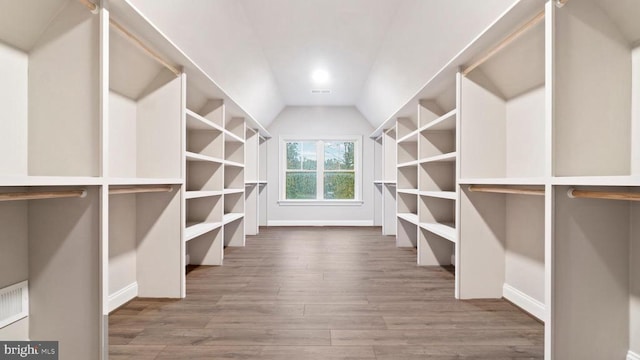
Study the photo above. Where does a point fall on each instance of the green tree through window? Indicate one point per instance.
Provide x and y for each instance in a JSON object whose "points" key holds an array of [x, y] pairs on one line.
{"points": [[320, 170]]}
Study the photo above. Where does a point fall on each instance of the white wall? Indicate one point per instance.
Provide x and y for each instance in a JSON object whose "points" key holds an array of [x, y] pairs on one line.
{"points": [[13, 111], [219, 38], [320, 121], [122, 242], [424, 36]]}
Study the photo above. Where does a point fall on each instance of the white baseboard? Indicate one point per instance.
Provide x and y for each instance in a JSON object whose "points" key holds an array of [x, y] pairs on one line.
{"points": [[524, 301], [320, 223], [632, 356], [122, 296]]}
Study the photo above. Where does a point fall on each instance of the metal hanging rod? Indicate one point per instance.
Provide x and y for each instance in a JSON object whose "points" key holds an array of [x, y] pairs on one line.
{"points": [[505, 190], [505, 42], [611, 195], [140, 189], [37, 195], [128, 35]]}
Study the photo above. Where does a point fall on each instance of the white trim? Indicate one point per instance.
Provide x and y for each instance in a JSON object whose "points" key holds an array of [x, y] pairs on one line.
{"points": [[632, 356], [320, 223], [320, 202], [122, 296], [524, 301]]}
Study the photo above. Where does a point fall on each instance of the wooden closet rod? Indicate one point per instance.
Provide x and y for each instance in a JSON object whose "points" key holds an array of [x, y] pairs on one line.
{"points": [[611, 195], [91, 6], [504, 190], [154, 55], [37, 195], [505, 42], [140, 189]]}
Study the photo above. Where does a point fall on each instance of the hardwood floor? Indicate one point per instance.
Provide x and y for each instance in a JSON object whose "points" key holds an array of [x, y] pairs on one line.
{"points": [[322, 293]]}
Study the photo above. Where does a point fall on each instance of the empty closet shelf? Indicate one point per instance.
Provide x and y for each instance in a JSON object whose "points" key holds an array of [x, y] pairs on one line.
{"points": [[233, 163], [446, 122], [502, 181], [444, 230], [48, 181], [198, 157], [411, 137], [120, 181], [231, 217], [410, 217], [195, 229], [408, 191], [449, 157], [229, 136], [233, 191], [201, 194], [408, 163], [451, 195], [197, 122]]}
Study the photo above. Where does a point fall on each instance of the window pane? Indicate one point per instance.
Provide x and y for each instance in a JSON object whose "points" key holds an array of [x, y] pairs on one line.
{"points": [[339, 185], [294, 155], [309, 156], [339, 155], [301, 185]]}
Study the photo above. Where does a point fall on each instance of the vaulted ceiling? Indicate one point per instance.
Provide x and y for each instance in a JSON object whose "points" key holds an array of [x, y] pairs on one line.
{"points": [[378, 53]]}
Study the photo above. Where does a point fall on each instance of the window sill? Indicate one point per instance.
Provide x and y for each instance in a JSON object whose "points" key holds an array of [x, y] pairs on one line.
{"points": [[320, 202]]}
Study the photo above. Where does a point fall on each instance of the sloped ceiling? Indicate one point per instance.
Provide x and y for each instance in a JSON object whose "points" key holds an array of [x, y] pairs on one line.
{"points": [[379, 53]]}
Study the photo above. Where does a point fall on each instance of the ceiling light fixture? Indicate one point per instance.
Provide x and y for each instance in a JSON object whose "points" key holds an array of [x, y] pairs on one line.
{"points": [[320, 76]]}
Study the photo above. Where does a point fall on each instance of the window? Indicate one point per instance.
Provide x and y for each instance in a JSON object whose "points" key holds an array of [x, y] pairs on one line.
{"points": [[320, 170]]}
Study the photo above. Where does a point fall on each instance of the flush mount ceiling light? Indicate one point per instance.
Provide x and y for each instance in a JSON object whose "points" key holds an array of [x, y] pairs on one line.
{"points": [[320, 76]]}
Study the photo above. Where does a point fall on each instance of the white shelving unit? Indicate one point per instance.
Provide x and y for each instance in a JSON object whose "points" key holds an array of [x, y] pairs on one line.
{"points": [[144, 127], [554, 109], [50, 141], [252, 183], [262, 182], [86, 112], [503, 129], [593, 243]]}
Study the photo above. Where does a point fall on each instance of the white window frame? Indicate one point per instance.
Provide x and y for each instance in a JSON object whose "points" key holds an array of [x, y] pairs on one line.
{"points": [[320, 140]]}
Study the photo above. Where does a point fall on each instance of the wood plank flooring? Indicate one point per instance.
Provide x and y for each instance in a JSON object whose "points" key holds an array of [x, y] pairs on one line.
{"points": [[322, 293]]}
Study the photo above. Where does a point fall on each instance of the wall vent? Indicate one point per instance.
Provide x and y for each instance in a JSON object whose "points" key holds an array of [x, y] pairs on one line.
{"points": [[320, 91], [14, 303]]}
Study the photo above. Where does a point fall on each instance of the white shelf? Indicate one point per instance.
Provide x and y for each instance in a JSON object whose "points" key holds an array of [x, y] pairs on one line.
{"points": [[190, 156], [633, 180], [444, 230], [233, 191], [233, 163], [443, 123], [49, 181], [231, 217], [503, 181], [144, 181], [197, 122], [231, 137], [449, 157], [412, 218], [386, 182], [451, 195], [262, 182], [410, 137], [201, 194], [408, 191], [408, 163], [193, 230]]}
